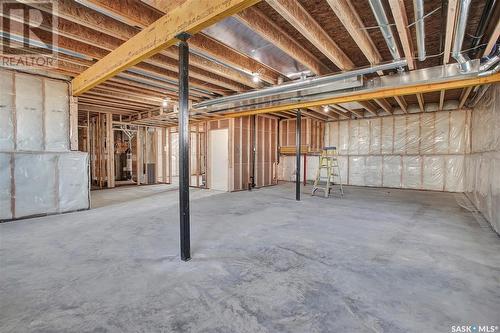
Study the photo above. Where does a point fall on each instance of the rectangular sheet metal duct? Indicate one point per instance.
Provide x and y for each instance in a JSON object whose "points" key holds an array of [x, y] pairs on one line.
{"points": [[297, 89], [449, 72]]}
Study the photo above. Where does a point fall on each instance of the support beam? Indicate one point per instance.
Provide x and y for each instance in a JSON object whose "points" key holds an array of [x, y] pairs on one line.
{"points": [[400, 18], [301, 20], [184, 173], [352, 22], [192, 16], [298, 140], [143, 16]]}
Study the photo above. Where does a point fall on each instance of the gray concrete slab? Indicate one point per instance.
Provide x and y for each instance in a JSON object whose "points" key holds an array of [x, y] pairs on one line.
{"points": [[376, 261]]}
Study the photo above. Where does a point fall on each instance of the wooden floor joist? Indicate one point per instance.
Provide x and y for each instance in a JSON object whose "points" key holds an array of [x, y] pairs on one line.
{"points": [[190, 17]]}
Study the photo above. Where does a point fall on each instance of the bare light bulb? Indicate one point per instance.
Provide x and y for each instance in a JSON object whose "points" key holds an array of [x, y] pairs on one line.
{"points": [[255, 77], [325, 108]]}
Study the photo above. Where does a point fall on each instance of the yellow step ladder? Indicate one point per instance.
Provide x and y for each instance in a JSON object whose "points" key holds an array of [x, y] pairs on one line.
{"points": [[329, 163]]}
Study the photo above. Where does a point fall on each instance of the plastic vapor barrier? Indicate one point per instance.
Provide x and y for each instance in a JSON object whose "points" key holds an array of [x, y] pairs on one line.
{"points": [[38, 173], [482, 166], [417, 151], [5, 186]]}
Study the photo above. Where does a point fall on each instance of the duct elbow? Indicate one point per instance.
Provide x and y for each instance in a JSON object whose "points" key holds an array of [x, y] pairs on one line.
{"points": [[490, 60], [464, 62]]}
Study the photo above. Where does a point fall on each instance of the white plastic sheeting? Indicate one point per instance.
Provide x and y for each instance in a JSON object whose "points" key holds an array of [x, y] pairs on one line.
{"points": [[6, 111], [5, 186], [44, 183], [418, 151], [73, 181], [56, 116], [34, 113], [35, 178], [482, 167], [38, 175], [29, 112]]}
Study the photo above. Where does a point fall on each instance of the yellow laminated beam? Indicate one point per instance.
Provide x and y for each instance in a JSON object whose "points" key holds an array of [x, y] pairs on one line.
{"points": [[191, 17]]}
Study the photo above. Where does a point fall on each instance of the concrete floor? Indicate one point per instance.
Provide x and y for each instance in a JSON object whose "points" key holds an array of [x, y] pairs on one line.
{"points": [[376, 261]]}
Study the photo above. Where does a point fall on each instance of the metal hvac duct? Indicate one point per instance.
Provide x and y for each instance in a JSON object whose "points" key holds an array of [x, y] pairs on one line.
{"points": [[385, 28], [310, 86], [461, 25], [491, 59], [418, 6], [445, 73]]}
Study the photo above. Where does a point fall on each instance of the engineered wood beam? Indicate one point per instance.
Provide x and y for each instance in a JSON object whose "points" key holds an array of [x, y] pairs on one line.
{"points": [[401, 19], [104, 28], [298, 17], [190, 17], [91, 51], [352, 22]]}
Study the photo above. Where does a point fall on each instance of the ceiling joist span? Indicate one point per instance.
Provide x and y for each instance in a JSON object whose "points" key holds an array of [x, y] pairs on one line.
{"points": [[190, 17], [123, 55]]}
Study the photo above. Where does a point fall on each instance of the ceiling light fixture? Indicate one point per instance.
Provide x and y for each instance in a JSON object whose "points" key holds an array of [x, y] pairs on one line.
{"points": [[255, 77]]}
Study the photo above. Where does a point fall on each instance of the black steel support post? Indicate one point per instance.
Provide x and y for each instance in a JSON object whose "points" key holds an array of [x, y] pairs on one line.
{"points": [[185, 236], [298, 138]]}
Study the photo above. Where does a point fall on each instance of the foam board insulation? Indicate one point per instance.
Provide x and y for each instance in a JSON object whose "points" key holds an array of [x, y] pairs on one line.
{"points": [[482, 165]]}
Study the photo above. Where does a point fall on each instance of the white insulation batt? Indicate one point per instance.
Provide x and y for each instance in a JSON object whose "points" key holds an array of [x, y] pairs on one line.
{"points": [[416, 151], [482, 167], [38, 173]]}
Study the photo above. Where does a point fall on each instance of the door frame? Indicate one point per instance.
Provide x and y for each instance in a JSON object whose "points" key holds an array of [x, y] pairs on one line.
{"points": [[209, 158]]}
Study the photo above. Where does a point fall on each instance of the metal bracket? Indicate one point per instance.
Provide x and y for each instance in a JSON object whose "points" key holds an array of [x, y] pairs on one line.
{"points": [[183, 36]]}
